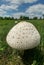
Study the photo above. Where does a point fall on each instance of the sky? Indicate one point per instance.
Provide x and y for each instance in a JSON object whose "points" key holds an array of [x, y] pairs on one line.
{"points": [[17, 8]]}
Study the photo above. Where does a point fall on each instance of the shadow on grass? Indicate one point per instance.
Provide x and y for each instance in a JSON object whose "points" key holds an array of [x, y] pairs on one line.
{"points": [[33, 56]]}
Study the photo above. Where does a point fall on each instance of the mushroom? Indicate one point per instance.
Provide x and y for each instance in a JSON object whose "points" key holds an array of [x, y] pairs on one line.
{"points": [[23, 36]]}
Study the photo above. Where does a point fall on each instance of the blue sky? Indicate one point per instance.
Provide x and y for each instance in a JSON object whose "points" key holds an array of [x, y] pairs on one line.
{"points": [[16, 8]]}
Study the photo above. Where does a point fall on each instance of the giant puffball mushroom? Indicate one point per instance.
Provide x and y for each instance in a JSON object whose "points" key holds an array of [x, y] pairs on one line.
{"points": [[23, 35]]}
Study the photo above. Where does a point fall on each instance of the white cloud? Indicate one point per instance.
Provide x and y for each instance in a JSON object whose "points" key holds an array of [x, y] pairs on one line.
{"points": [[29, 1], [35, 10], [8, 7], [2, 12], [4, 8], [21, 1], [32, 11], [13, 4], [17, 15]]}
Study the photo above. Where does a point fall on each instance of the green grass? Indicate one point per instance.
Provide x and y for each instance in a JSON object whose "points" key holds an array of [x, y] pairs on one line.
{"points": [[9, 56]]}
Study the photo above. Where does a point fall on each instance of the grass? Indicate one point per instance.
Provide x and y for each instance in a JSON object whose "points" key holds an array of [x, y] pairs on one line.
{"points": [[9, 56]]}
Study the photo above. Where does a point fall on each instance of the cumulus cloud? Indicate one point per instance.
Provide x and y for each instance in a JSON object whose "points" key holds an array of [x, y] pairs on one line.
{"points": [[17, 15], [29, 1], [4, 8], [21, 1], [7, 7], [14, 4], [35, 10], [32, 11], [2, 12]]}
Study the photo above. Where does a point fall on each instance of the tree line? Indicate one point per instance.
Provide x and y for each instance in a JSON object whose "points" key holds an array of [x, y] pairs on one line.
{"points": [[21, 18]]}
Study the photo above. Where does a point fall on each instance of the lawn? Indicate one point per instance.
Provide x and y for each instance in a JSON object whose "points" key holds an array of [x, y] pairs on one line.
{"points": [[9, 56]]}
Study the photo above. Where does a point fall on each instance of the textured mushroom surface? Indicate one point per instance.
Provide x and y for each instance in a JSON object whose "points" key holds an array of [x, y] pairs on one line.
{"points": [[23, 36]]}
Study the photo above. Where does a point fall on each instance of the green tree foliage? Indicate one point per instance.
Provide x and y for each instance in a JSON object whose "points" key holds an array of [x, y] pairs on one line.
{"points": [[24, 18], [6, 18], [35, 18], [1, 18], [9, 18], [43, 16]]}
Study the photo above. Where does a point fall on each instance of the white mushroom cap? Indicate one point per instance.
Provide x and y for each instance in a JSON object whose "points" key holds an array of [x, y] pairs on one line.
{"points": [[23, 36]]}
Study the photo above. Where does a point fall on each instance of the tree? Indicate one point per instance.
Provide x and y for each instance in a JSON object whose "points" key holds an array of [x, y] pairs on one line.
{"points": [[21, 17], [9, 18], [6, 18], [43, 16], [35, 18], [1, 18], [40, 18], [24, 18]]}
